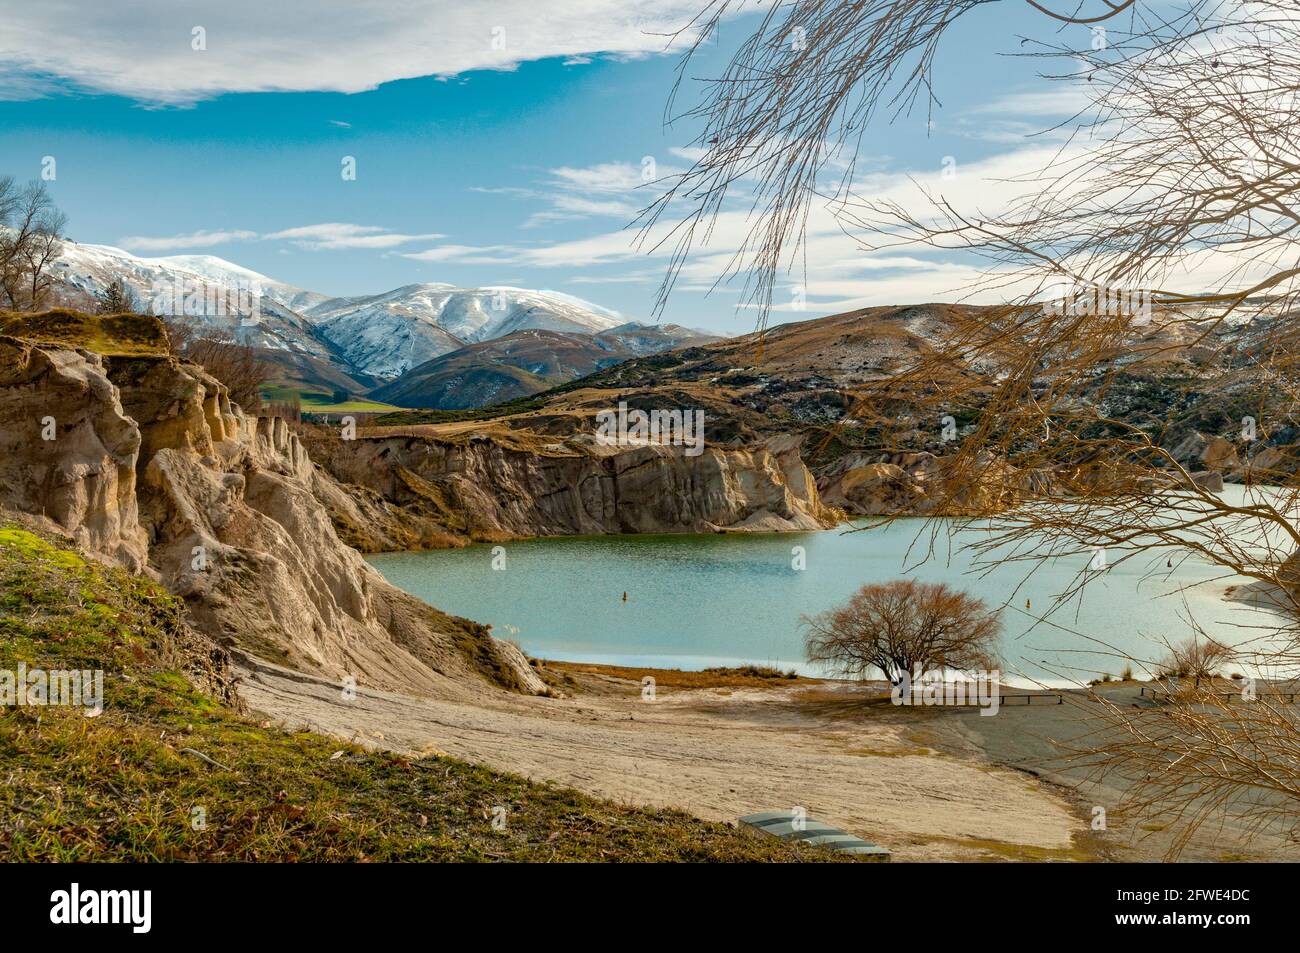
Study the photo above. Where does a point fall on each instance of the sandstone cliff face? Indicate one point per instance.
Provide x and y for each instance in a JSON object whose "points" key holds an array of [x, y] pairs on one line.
{"points": [[67, 451], [484, 489], [151, 460]]}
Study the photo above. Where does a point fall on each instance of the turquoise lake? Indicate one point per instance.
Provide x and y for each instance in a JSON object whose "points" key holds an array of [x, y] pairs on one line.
{"points": [[695, 601]]}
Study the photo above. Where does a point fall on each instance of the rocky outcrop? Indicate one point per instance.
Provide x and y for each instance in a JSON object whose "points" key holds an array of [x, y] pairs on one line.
{"points": [[1199, 452], [1211, 480], [152, 465], [485, 488], [1270, 459], [67, 450], [922, 484]]}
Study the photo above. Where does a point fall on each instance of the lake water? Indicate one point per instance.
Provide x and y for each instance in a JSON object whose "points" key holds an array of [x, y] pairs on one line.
{"points": [[695, 601]]}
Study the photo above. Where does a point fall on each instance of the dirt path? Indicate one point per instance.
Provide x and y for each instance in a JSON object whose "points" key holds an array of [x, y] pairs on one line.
{"points": [[718, 753]]}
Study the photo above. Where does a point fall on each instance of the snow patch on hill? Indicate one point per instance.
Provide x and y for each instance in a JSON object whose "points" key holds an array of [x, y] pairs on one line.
{"points": [[381, 335], [388, 334]]}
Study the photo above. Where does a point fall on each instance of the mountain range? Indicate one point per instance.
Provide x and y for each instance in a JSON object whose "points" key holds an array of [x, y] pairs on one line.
{"points": [[465, 345], [525, 362]]}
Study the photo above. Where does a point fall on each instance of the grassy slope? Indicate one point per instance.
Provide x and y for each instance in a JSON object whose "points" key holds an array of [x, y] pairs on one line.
{"points": [[317, 401], [122, 787], [127, 335]]}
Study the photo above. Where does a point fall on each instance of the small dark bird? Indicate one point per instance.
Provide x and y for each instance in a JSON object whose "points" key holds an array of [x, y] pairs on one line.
{"points": [[625, 597]]}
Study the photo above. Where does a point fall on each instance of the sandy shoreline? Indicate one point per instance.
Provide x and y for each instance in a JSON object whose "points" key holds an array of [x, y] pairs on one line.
{"points": [[931, 784], [719, 753]]}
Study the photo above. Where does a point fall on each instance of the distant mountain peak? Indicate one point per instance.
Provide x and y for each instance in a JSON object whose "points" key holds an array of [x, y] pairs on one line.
{"points": [[378, 335]]}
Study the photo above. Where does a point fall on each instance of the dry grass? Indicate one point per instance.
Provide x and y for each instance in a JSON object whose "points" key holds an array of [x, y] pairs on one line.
{"points": [[748, 676], [115, 335]]}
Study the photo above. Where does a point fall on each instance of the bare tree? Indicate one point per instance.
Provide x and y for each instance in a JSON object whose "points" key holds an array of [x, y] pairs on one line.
{"points": [[904, 627], [236, 365], [30, 230], [45, 246]]}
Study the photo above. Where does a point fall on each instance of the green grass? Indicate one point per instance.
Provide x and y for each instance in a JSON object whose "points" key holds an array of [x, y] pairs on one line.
{"points": [[314, 402], [128, 785]]}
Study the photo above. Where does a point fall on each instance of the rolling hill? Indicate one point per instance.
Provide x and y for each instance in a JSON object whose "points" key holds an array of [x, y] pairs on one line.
{"points": [[523, 363]]}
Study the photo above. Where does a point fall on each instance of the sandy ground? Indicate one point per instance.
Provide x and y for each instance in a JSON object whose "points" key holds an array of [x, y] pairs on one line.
{"points": [[1040, 739], [928, 783], [876, 771]]}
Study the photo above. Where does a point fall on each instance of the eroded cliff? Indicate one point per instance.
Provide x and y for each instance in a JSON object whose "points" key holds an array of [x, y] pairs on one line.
{"points": [[414, 489], [146, 462]]}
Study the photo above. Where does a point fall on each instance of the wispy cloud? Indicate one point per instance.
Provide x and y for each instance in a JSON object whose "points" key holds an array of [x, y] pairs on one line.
{"points": [[835, 274], [607, 177], [569, 208], [148, 49], [614, 190], [200, 239], [327, 236], [468, 255], [18, 84], [1061, 100]]}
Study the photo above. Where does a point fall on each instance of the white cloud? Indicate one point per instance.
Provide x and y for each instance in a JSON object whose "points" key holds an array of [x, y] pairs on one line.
{"points": [[200, 239], [1062, 100], [605, 190], [567, 208], [144, 48], [327, 236], [467, 254], [607, 176], [840, 274]]}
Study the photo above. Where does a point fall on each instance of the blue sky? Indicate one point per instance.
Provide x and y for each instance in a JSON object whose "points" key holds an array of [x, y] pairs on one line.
{"points": [[524, 174]]}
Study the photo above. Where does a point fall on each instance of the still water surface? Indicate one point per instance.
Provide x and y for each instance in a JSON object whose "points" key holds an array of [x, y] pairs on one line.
{"points": [[695, 601]]}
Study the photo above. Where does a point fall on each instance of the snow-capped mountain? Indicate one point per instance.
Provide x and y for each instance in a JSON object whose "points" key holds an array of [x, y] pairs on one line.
{"points": [[387, 334], [371, 338], [525, 362], [380, 335], [643, 339], [218, 269], [198, 288]]}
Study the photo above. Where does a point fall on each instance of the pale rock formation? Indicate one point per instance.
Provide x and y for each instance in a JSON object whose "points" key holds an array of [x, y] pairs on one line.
{"points": [[84, 478], [1219, 455], [1211, 480], [482, 488], [1212, 453], [152, 459]]}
